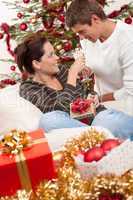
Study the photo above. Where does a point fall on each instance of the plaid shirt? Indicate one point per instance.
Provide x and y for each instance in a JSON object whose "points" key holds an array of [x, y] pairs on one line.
{"points": [[48, 99]]}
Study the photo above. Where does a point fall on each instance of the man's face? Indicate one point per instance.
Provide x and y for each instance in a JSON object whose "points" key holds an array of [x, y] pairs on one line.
{"points": [[91, 32]]}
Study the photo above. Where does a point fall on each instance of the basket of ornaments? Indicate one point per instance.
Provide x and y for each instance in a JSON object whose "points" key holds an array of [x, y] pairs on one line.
{"points": [[99, 153]]}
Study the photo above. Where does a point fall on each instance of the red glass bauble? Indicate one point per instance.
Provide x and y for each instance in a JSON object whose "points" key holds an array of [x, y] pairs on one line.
{"points": [[109, 144], [94, 154], [13, 68], [26, 1], [23, 26]]}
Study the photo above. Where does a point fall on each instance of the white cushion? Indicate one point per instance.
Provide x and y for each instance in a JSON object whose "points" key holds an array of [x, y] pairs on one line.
{"points": [[16, 112]]}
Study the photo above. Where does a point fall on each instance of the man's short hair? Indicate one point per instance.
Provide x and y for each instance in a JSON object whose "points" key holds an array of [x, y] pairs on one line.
{"points": [[81, 11]]}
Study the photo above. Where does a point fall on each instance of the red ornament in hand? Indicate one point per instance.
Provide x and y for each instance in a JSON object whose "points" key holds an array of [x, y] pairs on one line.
{"points": [[109, 144], [67, 46], [23, 26], [93, 154]]}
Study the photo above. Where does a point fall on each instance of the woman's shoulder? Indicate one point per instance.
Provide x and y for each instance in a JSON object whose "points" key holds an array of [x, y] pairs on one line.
{"points": [[31, 87]]}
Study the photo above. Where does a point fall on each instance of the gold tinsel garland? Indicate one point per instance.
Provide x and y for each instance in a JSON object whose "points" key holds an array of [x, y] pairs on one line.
{"points": [[70, 186]]}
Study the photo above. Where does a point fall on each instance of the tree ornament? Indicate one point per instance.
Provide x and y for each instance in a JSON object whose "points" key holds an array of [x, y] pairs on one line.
{"points": [[19, 15], [67, 46], [1, 36], [105, 196], [26, 1], [5, 27], [128, 20], [62, 18], [13, 68], [45, 2], [23, 26]]}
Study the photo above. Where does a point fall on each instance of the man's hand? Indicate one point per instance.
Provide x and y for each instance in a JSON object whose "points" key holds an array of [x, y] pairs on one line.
{"points": [[86, 72], [106, 97]]}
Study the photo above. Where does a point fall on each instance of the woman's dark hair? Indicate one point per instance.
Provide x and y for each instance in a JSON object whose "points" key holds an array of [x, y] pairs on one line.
{"points": [[81, 11], [30, 49]]}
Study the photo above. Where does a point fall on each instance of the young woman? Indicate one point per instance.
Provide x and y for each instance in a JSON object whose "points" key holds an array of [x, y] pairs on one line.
{"points": [[52, 87]]}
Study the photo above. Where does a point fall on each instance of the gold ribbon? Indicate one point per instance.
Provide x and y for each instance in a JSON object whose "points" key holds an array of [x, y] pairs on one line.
{"points": [[23, 168]]}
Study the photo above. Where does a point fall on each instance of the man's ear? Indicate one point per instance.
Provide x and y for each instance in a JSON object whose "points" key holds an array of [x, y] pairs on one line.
{"points": [[36, 64], [95, 19]]}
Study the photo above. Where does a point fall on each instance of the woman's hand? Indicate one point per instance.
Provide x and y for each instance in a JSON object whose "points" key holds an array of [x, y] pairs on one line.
{"points": [[78, 65], [74, 70]]}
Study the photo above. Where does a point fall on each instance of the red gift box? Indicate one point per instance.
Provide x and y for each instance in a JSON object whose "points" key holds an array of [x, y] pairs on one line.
{"points": [[82, 109], [28, 168]]}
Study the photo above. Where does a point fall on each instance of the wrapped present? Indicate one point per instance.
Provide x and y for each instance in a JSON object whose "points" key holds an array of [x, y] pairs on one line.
{"points": [[24, 165], [82, 108]]}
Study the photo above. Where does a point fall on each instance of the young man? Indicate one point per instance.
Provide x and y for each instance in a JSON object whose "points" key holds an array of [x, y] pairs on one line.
{"points": [[108, 48]]}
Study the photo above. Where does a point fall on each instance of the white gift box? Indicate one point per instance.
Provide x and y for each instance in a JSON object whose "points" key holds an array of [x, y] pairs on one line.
{"points": [[117, 162]]}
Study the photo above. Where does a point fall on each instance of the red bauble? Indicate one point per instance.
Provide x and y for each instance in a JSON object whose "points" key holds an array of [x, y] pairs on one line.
{"points": [[62, 18], [93, 154], [109, 144], [128, 20], [5, 27], [19, 15], [8, 82], [26, 1], [67, 46], [1, 36], [23, 26], [13, 68], [105, 196], [44, 2]]}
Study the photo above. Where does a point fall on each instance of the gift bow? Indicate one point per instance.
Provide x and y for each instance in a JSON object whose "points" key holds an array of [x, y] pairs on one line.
{"points": [[81, 105], [15, 141]]}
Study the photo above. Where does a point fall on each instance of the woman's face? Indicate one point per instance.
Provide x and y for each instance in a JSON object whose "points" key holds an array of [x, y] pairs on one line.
{"points": [[48, 63]]}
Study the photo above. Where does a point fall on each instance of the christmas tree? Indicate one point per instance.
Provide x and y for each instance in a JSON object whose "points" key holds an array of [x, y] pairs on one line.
{"points": [[48, 17]]}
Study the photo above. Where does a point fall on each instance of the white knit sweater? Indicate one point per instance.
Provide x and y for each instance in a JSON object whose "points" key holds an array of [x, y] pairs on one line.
{"points": [[112, 61]]}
